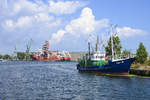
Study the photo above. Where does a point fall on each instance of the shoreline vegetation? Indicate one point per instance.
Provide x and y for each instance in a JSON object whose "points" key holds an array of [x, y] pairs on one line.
{"points": [[141, 69], [144, 66]]}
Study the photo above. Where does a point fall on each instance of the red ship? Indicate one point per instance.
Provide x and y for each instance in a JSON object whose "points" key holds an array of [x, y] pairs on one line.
{"points": [[45, 54]]}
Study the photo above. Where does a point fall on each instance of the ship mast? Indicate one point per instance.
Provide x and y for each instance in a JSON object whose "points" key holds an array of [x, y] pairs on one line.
{"points": [[89, 48], [112, 47], [97, 42], [89, 53], [46, 48]]}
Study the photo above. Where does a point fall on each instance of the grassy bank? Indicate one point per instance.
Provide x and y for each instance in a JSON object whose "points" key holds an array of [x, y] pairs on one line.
{"points": [[144, 66]]}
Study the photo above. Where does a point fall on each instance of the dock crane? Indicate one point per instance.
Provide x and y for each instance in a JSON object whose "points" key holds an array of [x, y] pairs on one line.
{"points": [[28, 46], [14, 56]]}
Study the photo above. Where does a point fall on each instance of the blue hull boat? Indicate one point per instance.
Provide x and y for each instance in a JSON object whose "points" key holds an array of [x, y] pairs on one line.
{"points": [[117, 67], [97, 61]]}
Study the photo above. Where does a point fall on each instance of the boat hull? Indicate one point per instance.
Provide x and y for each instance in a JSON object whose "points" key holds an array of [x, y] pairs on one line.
{"points": [[116, 67], [51, 58]]}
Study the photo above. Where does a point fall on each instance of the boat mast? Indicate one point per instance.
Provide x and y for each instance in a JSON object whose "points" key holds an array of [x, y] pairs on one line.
{"points": [[97, 42], [89, 53], [112, 47]]}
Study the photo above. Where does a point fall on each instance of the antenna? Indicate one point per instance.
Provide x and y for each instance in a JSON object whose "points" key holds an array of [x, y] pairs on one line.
{"points": [[103, 41], [112, 47], [89, 53], [115, 27], [97, 43]]}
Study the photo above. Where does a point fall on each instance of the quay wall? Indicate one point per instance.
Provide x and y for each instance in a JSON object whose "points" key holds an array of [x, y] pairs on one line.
{"points": [[76, 55], [143, 72]]}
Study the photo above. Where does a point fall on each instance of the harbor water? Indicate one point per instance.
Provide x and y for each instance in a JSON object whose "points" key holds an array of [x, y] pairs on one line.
{"points": [[32, 80]]}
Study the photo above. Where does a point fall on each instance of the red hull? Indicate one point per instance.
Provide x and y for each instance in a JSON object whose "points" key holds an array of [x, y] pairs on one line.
{"points": [[51, 58]]}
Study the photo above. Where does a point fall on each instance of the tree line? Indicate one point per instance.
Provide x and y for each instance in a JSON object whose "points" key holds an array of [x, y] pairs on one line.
{"points": [[20, 56]]}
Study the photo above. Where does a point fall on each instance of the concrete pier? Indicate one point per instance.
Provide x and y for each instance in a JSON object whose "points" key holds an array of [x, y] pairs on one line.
{"points": [[140, 72], [76, 55]]}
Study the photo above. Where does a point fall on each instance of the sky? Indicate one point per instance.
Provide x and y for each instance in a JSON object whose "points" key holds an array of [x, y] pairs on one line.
{"points": [[68, 24]]}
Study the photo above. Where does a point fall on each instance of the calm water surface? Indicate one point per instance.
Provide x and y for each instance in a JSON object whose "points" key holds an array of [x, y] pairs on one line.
{"points": [[61, 81]]}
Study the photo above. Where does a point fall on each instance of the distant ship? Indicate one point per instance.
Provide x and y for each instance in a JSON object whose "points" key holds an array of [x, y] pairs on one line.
{"points": [[1, 60], [45, 54], [96, 62]]}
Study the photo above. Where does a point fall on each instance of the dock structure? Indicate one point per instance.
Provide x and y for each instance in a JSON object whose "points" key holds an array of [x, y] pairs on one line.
{"points": [[141, 72], [76, 55]]}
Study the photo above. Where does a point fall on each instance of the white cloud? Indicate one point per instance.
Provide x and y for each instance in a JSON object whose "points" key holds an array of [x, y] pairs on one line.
{"points": [[26, 13], [9, 23], [26, 21], [129, 32], [58, 8], [56, 37], [17, 8], [84, 25], [67, 7], [25, 5], [21, 22], [43, 17]]}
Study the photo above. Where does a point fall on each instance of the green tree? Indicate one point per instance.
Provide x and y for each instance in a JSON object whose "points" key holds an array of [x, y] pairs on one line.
{"points": [[141, 54], [7, 57], [126, 52], [116, 46], [21, 55], [1, 56]]}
